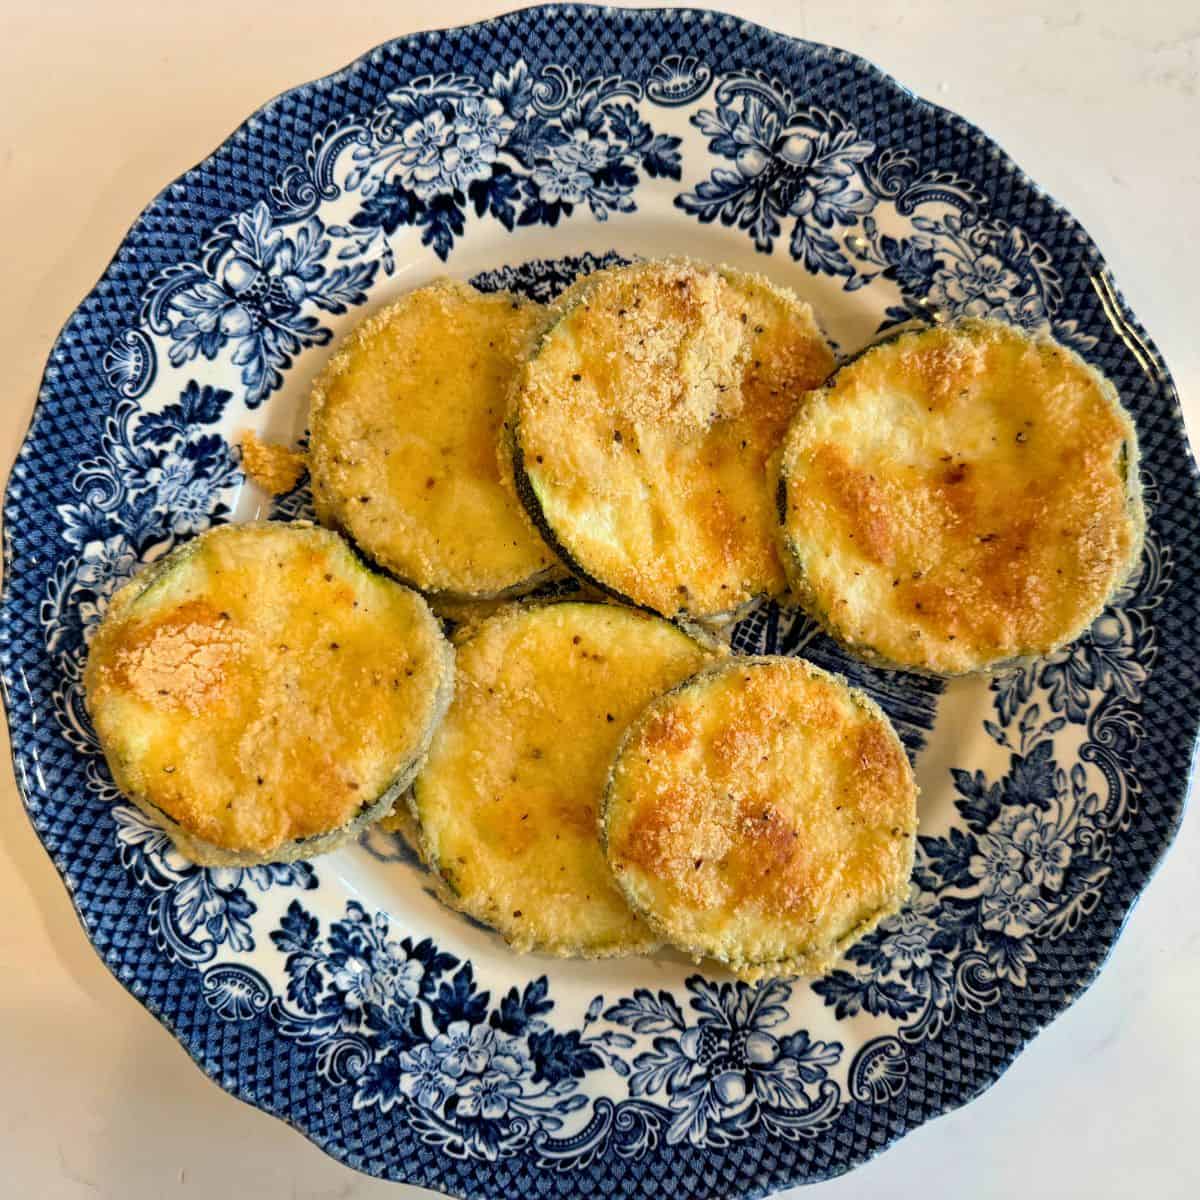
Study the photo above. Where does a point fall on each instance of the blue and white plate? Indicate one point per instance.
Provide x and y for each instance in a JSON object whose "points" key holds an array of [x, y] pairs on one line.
{"points": [[340, 995]]}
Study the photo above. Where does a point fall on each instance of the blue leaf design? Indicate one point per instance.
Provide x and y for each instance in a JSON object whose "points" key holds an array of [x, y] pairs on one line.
{"points": [[345, 286], [497, 195], [663, 1067], [390, 207], [946, 861], [519, 1010], [197, 406], [441, 222], [459, 1001], [848, 995], [644, 1012], [559, 1056], [958, 919], [1030, 779], [662, 159], [981, 803], [297, 935]]}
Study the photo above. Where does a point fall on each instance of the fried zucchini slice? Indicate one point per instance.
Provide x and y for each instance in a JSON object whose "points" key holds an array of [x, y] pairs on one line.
{"points": [[641, 425], [404, 423], [263, 695], [509, 800], [763, 814], [960, 497]]}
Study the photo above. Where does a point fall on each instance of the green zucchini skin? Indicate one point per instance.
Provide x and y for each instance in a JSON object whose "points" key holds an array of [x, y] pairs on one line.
{"points": [[207, 854]]}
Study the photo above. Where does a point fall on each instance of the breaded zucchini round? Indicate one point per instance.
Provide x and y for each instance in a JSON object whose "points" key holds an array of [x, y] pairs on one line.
{"points": [[960, 497], [509, 800], [641, 425], [263, 695], [763, 814], [404, 423]]}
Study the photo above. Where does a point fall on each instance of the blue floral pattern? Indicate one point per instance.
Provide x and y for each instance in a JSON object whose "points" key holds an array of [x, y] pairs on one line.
{"points": [[959, 265], [491, 1074], [791, 162], [406, 1025], [195, 911], [160, 476], [797, 164], [525, 152], [250, 292]]}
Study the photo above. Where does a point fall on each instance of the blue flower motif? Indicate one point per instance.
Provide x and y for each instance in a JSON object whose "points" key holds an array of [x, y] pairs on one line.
{"points": [[526, 155], [906, 937], [566, 176], [371, 973], [1014, 913], [103, 567], [195, 909], [911, 262], [490, 1094], [184, 498], [484, 119], [465, 1049], [423, 1079], [441, 157], [1047, 851], [979, 288], [386, 979], [999, 864]]}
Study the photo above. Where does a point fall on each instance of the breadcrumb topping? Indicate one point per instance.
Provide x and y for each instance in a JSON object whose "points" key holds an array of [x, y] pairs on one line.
{"points": [[183, 661], [509, 799], [762, 814], [276, 469], [644, 421], [405, 422], [961, 497], [260, 686]]}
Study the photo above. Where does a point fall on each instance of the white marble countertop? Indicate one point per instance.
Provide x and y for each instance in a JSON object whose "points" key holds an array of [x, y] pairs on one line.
{"points": [[101, 105]]}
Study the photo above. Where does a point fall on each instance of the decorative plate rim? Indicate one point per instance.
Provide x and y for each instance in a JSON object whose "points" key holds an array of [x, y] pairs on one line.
{"points": [[1120, 312]]}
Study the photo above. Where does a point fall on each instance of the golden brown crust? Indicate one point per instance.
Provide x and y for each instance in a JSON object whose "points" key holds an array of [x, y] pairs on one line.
{"points": [[261, 688], [643, 422], [404, 424], [276, 469], [762, 814], [509, 799], [961, 497]]}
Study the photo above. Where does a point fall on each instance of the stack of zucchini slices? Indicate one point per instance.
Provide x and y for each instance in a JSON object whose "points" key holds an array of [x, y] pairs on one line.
{"points": [[600, 776]]}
